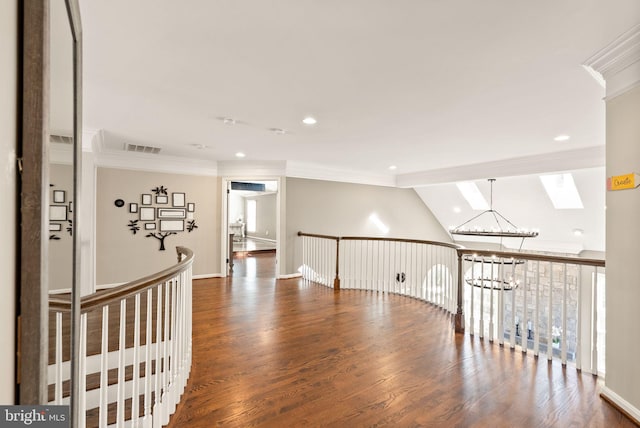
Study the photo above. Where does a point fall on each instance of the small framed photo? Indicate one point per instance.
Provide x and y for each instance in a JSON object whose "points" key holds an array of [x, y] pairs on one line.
{"points": [[191, 207], [55, 227], [162, 199], [70, 206], [171, 226], [133, 207], [178, 199], [189, 216], [149, 226], [59, 196], [147, 214], [171, 213], [58, 212], [146, 199]]}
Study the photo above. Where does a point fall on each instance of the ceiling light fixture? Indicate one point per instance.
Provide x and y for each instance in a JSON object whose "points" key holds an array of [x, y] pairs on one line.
{"points": [[456, 210], [393, 167], [578, 232], [278, 131], [309, 120], [504, 229], [240, 155], [562, 138], [228, 121]]}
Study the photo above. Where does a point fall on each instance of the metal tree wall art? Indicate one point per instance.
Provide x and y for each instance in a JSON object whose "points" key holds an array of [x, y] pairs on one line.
{"points": [[59, 212], [162, 214]]}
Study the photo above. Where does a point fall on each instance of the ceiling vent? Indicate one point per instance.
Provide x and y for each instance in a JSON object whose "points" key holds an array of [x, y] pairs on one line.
{"points": [[142, 149], [62, 139]]}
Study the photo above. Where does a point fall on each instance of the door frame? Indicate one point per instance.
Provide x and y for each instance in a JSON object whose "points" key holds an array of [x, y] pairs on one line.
{"points": [[225, 257]]}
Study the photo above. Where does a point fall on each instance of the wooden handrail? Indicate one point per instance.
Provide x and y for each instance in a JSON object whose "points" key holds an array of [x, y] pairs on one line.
{"points": [[408, 241], [315, 235], [534, 256], [104, 297]]}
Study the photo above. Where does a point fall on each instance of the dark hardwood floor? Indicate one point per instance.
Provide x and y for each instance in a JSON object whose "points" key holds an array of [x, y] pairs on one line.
{"points": [[288, 353]]}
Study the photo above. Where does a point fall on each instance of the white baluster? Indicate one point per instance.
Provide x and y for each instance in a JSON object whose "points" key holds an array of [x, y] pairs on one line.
{"points": [[563, 334], [104, 368], [82, 372], [482, 298], [58, 371], [158, 356], [536, 315], [491, 326], [148, 377], [471, 308], [524, 327], [121, 362], [550, 315], [135, 397], [594, 325], [579, 321]]}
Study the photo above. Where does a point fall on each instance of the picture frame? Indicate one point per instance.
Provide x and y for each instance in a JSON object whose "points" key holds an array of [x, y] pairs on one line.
{"points": [[178, 199], [70, 206], [55, 227], [162, 199], [147, 214], [189, 216], [59, 196], [172, 213], [133, 207], [146, 199], [171, 226], [149, 226], [58, 212], [191, 207]]}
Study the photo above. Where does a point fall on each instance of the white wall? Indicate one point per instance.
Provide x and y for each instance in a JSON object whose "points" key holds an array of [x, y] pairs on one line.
{"points": [[122, 256], [623, 248], [333, 208], [265, 216], [8, 223]]}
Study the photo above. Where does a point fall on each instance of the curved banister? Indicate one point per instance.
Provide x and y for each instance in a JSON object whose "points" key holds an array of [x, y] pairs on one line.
{"points": [[404, 240], [315, 235], [534, 256], [104, 297]]}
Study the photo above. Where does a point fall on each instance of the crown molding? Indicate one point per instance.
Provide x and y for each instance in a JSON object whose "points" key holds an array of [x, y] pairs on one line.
{"points": [[155, 163], [589, 157], [618, 63], [320, 172], [239, 168]]}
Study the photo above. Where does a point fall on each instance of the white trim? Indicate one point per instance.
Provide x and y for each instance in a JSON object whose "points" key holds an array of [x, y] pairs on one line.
{"points": [[620, 402], [320, 172], [251, 169], [290, 275], [618, 63], [154, 163], [208, 275], [589, 157], [262, 239]]}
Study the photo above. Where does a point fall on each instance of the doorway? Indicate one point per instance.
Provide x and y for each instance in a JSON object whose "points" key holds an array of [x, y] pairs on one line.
{"points": [[252, 225]]}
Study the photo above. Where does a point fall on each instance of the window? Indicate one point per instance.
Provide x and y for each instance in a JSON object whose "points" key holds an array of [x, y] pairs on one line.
{"points": [[251, 215]]}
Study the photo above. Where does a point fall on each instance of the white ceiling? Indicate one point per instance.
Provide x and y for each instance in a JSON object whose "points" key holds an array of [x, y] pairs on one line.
{"points": [[423, 85]]}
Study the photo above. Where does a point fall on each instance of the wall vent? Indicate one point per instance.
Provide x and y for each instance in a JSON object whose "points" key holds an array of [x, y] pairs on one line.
{"points": [[62, 139], [142, 149]]}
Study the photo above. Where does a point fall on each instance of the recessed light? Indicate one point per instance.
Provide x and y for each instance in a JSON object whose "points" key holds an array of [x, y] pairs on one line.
{"points": [[457, 210], [393, 167], [228, 121], [309, 120], [278, 131], [578, 232], [562, 138], [240, 155]]}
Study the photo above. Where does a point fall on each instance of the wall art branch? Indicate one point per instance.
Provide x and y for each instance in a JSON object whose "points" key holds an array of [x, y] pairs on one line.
{"points": [[160, 236]]}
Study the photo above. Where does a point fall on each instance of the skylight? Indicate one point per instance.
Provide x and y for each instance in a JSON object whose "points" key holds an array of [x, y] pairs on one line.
{"points": [[562, 191], [473, 196]]}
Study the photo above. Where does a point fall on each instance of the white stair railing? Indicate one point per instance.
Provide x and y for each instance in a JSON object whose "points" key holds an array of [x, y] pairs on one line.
{"points": [[139, 383]]}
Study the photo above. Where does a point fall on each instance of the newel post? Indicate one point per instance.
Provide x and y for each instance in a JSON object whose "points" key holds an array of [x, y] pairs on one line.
{"points": [[336, 280], [458, 318]]}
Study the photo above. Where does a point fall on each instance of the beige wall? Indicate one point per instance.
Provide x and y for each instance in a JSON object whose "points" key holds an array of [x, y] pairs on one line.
{"points": [[623, 248], [122, 256], [8, 222], [333, 208]]}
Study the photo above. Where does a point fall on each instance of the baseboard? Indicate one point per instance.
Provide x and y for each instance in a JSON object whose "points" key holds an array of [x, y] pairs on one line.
{"points": [[208, 275], [620, 403], [290, 275], [273, 241]]}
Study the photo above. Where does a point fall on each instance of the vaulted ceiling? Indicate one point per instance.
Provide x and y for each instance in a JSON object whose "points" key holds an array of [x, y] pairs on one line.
{"points": [[421, 85]]}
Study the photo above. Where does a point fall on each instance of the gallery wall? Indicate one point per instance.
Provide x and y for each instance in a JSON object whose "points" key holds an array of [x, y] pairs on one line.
{"points": [[333, 208], [60, 240], [122, 255]]}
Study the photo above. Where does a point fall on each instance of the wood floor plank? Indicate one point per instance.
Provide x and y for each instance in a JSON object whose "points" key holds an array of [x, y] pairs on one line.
{"points": [[289, 353]]}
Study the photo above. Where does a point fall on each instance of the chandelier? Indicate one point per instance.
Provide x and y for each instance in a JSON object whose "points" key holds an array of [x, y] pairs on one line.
{"points": [[503, 229]]}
